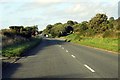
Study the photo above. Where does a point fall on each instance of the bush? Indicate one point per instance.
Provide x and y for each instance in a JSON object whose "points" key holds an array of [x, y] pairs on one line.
{"points": [[110, 34], [90, 32]]}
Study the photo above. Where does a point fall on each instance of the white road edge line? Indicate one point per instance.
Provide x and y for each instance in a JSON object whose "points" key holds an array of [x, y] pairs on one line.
{"points": [[89, 68], [73, 56], [62, 47], [66, 50], [59, 45]]}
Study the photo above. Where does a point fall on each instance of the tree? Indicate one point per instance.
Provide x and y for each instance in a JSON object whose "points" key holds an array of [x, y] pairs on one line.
{"points": [[111, 19], [95, 22], [49, 26], [8, 33], [84, 25], [70, 23], [76, 27], [116, 24], [48, 29], [40, 32], [75, 22], [34, 30], [69, 29], [58, 30]]}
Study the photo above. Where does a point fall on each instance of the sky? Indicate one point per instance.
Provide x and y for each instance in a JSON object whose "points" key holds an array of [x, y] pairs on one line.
{"points": [[44, 12]]}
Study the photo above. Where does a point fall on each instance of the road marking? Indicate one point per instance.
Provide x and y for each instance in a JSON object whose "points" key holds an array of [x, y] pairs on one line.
{"points": [[31, 56], [62, 47], [73, 56], [89, 68], [66, 50]]}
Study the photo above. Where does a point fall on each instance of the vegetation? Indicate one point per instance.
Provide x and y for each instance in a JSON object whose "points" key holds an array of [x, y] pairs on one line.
{"points": [[18, 39], [98, 26], [98, 31], [59, 29], [26, 32], [17, 34], [18, 49], [104, 43]]}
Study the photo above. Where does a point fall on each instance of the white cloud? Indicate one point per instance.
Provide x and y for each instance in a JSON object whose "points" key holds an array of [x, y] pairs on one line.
{"points": [[43, 12], [47, 1]]}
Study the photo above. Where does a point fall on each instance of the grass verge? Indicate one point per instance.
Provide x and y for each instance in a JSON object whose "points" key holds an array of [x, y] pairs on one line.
{"points": [[103, 43], [18, 49]]}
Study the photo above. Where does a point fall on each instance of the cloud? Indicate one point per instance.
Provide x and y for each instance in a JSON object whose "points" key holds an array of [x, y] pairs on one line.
{"points": [[43, 12], [48, 1], [90, 9]]}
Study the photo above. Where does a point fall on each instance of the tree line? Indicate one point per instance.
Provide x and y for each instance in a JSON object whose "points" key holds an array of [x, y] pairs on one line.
{"points": [[98, 26], [26, 32]]}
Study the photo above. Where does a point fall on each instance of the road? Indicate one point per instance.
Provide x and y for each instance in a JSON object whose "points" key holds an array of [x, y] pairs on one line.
{"points": [[55, 58]]}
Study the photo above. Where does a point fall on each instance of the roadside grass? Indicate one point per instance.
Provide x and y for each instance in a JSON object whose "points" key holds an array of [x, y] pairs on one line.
{"points": [[18, 49], [103, 43]]}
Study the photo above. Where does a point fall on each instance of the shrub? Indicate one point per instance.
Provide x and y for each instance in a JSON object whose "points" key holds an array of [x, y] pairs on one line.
{"points": [[110, 34]]}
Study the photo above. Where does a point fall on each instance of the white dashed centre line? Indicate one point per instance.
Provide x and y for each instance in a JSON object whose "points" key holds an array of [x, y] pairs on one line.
{"points": [[73, 56], [62, 47], [66, 50], [89, 68]]}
